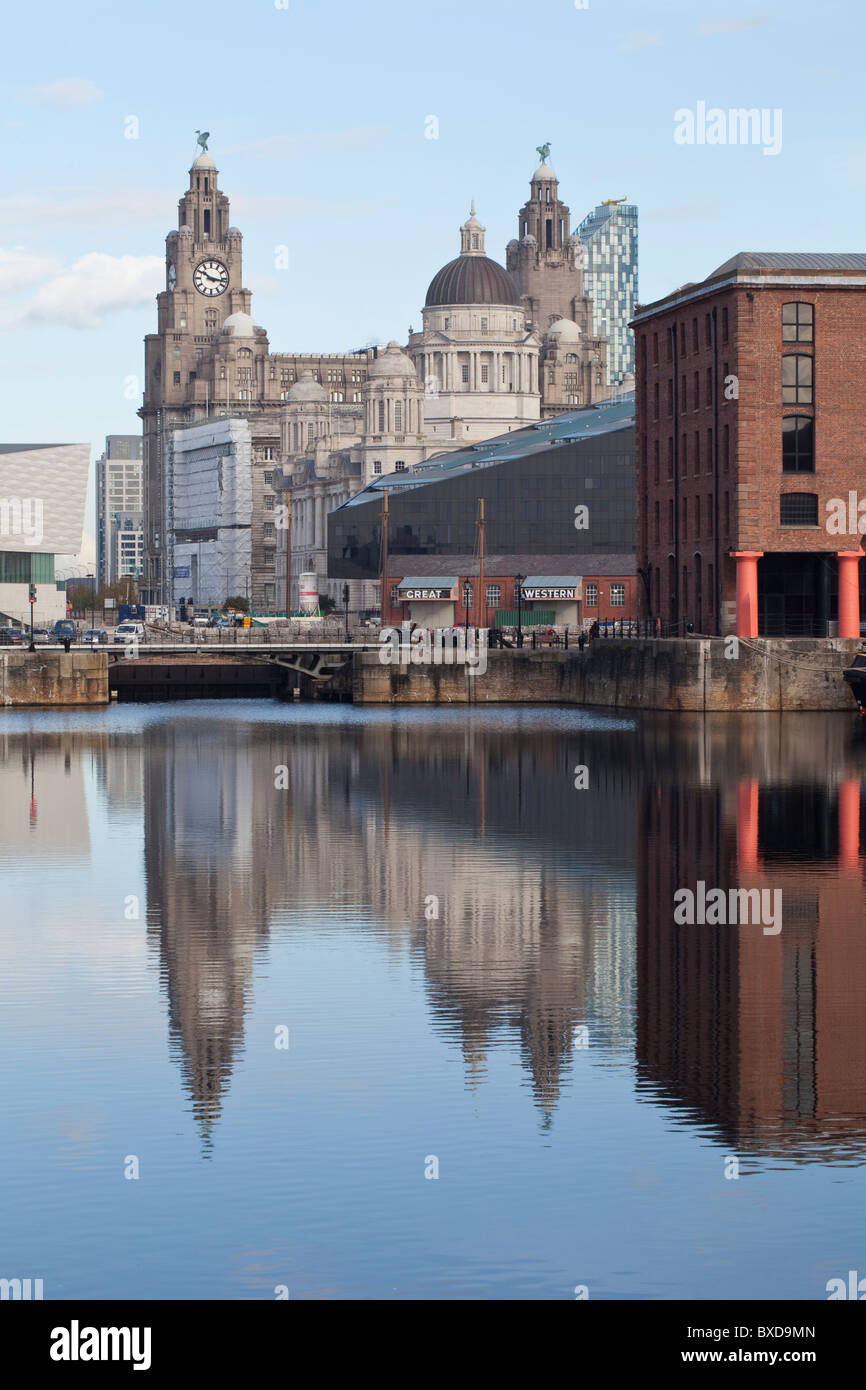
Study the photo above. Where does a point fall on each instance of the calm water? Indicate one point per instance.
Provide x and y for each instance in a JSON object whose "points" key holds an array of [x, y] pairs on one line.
{"points": [[582, 1070]]}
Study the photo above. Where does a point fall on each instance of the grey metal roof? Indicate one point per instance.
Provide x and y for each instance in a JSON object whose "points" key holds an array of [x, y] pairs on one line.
{"points": [[438, 581], [551, 581], [440, 567], [791, 260], [472, 279], [591, 421]]}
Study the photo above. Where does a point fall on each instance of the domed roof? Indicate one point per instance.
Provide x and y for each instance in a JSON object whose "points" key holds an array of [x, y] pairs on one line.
{"points": [[234, 231], [185, 231], [564, 330], [306, 388], [392, 362], [203, 161], [543, 171], [471, 280], [529, 240], [239, 326]]}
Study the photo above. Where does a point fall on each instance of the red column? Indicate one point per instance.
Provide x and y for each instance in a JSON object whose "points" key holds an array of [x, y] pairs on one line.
{"points": [[747, 826], [849, 592], [849, 824], [747, 591]]}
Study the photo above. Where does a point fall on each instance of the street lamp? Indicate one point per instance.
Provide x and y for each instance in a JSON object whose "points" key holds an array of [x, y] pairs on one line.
{"points": [[346, 607], [518, 580]]}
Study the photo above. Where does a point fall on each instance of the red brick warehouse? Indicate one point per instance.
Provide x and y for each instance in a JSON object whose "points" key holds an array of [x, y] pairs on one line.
{"points": [[751, 408]]}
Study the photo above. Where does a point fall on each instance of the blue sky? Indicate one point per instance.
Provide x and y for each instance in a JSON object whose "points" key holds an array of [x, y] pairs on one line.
{"points": [[317, 118]]}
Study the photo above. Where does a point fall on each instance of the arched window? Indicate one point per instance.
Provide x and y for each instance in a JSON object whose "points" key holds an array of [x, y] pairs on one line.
{"points": [[798, 509], [798, 323], [796, 379], [798, 444]]}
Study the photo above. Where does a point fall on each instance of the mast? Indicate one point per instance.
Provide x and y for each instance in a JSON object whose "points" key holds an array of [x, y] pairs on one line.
{"points": [[385, 599], [482, 604]]}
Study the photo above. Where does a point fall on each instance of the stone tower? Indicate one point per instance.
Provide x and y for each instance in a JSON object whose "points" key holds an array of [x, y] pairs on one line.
{"points": [[203, 287], [546, 262]]}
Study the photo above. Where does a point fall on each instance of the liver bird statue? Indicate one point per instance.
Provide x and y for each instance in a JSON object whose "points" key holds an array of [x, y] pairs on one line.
{"points": [[543, 152], [202, 137]]}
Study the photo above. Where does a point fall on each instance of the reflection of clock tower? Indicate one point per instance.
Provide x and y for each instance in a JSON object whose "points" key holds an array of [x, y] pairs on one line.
{"points": [[203, 286]]}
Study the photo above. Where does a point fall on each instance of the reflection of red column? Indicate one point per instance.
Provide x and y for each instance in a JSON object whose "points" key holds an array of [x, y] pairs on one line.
{"points": [[849, 592], [747, 591], [747, 825], [849, 824]]}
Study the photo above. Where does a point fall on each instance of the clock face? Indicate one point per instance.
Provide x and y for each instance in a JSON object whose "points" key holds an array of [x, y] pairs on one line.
{"points": [[172, 277], [211, 278]]}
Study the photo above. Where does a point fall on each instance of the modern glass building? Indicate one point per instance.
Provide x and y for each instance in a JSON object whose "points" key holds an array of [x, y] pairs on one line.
{"points": [[559, 499], [609, 233]]}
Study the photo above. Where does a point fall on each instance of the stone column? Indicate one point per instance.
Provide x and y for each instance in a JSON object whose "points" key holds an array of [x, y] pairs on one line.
{"points": [[747, 592], [849, 593]]}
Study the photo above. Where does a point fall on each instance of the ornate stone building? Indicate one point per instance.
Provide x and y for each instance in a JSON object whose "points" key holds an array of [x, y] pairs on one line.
{"points": [[477, 358], [547, 263]]}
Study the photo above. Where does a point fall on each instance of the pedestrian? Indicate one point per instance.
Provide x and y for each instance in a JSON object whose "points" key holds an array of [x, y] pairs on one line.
{"points": [[581, 641]]}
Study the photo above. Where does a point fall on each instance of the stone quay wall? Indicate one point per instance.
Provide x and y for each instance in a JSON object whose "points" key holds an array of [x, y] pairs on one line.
{"points": [[52, 678], [678, 674]]}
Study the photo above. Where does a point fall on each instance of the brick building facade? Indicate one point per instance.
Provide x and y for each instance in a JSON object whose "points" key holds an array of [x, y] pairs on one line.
{"points": [[750, 424]]}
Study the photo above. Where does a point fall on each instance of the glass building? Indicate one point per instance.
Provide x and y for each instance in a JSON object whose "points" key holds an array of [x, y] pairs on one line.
{"points": [[609, 233], [561, 487]]}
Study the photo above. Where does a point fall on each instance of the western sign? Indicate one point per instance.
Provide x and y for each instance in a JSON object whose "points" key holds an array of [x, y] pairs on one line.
{"points": [[550, 593]]}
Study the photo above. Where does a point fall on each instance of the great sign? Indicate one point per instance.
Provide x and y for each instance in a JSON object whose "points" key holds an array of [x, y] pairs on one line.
{"points": [[425, 593]]}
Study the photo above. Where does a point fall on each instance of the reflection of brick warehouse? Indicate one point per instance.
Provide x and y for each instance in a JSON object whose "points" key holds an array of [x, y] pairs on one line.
{"points": [[763, 1035], [749, 422]]}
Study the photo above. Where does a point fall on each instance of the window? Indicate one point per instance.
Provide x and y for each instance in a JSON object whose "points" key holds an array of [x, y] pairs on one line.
{"points": [[464, 372], [697, 404], [684, 393], [655, 348], [484, 372], [592, 595], [656, 401], [398, 416], [796, 379], [617, 596], [395, 593], [177, 378], [798, 509], [377, 466], [798, 444], [656, 465], [269, 530], [695, 343], [269, 557], [725, 326], [798, 323], [670, 457], [269, 502], [268, 454], [483, 325], [400, 466], [658, 534], [467, 596], [269, 479], [494, 595], [697, 468], [697, 518], [381, 417]]}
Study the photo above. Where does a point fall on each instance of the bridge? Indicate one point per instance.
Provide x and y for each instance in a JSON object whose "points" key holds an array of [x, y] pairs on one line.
{"points": [[159, 670]]}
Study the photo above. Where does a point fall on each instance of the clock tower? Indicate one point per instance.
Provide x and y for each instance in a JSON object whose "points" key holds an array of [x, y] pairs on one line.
{"points": [[203, 287]]}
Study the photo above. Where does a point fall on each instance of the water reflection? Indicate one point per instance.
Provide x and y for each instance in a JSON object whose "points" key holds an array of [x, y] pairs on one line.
{"points": [[555, 904]]}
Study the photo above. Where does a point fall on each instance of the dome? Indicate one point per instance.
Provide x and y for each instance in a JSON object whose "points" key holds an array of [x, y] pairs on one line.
{"points": [[513, 243], [185, 231], [529, 240], [543, 171], [392, 362], [471, 279], [306, 388], [233, 231], [239, 326], [564, 331], [203, 161]]}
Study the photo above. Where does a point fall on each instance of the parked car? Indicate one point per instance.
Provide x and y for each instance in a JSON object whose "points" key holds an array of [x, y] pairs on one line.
{"points": [[95, 637], [201, 622], [65, 630], [130, 632], [41, 636], [11, 636]]}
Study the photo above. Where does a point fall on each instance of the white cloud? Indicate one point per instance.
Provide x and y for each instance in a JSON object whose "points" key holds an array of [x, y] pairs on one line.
{"points": [[70, 93], [20, 268], [95, 285], [637, 40], [62, 206], [732, 26]]}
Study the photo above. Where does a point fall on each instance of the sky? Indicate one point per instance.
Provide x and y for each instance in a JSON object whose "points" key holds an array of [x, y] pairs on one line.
{"points": [[320, 119]]}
